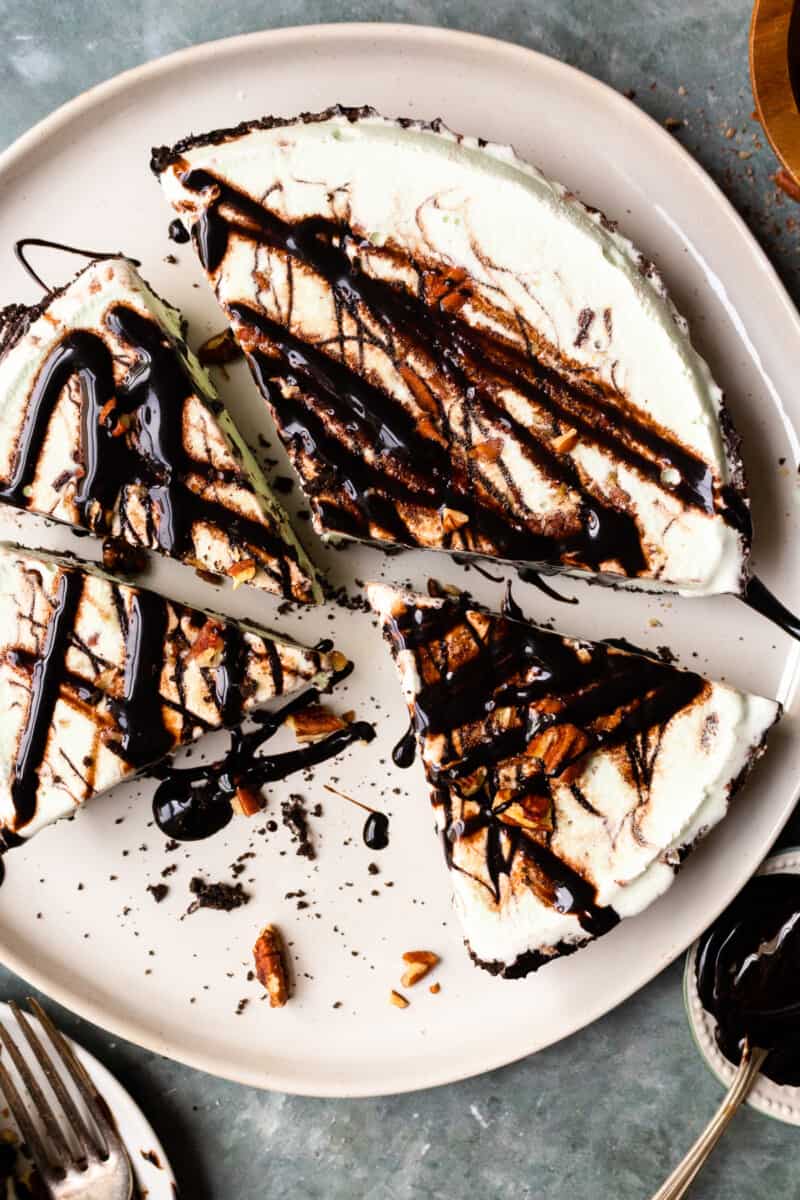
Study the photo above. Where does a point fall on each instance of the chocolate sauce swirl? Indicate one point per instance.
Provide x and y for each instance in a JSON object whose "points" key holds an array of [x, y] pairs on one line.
{"points": [[748, 975], [195, 802], [332, 413]]}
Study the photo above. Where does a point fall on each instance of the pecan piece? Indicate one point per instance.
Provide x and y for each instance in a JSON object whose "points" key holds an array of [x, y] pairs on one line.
{"points": [[207, 647], [565, 441], [452, 519], [269, 958], [219, 349], [247, 801], [419, 963], [488, 451], [314, 723], [242, 571]]}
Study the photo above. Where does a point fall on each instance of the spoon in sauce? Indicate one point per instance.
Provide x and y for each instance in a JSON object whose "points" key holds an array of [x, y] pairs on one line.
{"points": [[748, 979]]}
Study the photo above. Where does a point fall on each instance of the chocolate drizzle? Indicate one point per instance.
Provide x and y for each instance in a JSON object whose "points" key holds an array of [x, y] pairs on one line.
{"points": [[748, 975], [372, 466], [95, 255], [508, 711], [758, 596], [45, 686], [405, 751], [527, 575], [132, 438], [376, 831], [195, 802]]}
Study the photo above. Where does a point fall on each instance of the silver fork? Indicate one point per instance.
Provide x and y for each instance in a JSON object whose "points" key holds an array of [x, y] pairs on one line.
{"points": [[100, 1169]]}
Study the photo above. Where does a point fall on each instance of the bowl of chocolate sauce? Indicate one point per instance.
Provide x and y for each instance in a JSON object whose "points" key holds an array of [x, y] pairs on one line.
{"points": [[742, 980]]}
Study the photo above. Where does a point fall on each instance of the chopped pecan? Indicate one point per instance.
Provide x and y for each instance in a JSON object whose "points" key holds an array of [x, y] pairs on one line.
{"points": [[207, 647], [468, 785], [268, 955], [247, 801], [419, 391], [413, 974], [565, 441], [555, 746], [242, 571], [421, 956], [488, 451], [219, 349], [419, 963], [107, 409], [338, 661], [314, 723], [397, 1000], [452, 519]]}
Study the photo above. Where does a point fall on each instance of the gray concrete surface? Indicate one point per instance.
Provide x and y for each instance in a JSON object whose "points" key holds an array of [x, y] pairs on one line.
{"points": [[602, 1115]]}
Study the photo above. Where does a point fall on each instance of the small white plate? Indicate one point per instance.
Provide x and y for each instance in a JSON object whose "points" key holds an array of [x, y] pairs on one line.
{"points": [[151, 1169], [770, 1098], [75, 915]]}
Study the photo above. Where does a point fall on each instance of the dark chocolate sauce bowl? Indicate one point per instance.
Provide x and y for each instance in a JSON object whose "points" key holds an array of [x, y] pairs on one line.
{"points": [[747, 972]]}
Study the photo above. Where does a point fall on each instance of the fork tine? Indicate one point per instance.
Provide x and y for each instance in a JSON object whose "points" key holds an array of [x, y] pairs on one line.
{"points": [[74, 1118], [79, 1076], [40, 1101], [30, 1134]]}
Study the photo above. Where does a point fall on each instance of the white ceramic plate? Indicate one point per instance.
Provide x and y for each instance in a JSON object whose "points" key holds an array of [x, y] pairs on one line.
{"points": [[151, 1169], [766, 1097], [106, 949]]}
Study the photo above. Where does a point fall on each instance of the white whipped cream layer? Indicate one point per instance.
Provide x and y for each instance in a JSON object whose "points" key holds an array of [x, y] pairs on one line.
{"points": [[629, 851], [531, 247], [28, 590]]}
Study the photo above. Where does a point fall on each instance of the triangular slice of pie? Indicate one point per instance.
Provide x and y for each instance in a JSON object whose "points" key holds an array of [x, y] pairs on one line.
{"points": [[569, 778], [460, 355], [99, 679], [109, 423]]}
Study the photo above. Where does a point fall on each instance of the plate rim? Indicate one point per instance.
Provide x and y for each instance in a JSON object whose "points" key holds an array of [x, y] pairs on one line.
{"points": [[342, 32]]}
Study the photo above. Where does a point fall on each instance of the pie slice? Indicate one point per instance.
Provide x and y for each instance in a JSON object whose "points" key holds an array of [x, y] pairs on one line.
{"points": [[99, 679], [460, 355], [109, 423], [569, 778]]}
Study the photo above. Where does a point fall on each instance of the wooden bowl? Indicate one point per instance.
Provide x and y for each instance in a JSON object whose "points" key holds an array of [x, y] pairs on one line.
{"points": [[775, 76]]}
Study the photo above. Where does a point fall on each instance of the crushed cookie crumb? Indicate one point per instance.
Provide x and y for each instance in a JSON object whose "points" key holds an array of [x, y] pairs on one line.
{"points": [[222, 896], [294, 817]]}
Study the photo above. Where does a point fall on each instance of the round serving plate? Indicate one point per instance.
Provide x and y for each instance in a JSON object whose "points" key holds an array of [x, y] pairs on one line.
{"points": [[75, 915], [772, 1099]]}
